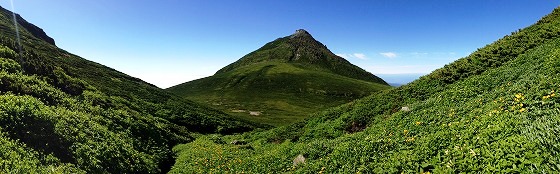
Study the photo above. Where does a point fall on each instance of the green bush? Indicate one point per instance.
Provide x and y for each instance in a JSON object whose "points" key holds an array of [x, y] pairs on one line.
{"points": [[9, 66], [6, 52], [15, 157]]}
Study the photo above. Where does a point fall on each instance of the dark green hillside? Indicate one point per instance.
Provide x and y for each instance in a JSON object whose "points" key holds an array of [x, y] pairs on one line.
{"points": [[283, 81], [61, 113], [283, 93], [493, 111]]}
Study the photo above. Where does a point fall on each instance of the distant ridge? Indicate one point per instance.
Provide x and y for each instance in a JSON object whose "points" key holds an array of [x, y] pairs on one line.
{"points": [[31, 28]]}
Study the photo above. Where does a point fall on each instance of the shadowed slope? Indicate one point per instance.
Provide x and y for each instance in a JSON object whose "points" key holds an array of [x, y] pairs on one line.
{"points": [[62, 113]]}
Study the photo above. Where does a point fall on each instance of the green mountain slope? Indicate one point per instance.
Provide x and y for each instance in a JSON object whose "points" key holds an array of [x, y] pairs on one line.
{"points": [[302, 48], [64, 114], [494, 111], [284, 81]]}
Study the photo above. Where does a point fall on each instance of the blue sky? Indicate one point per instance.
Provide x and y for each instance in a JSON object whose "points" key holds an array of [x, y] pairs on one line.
{"points": [[168, 42]]}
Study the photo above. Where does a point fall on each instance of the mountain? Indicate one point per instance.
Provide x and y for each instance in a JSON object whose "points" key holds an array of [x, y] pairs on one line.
{"points": [[282, 82], [494, 111], [302, 49], [60, 113]]}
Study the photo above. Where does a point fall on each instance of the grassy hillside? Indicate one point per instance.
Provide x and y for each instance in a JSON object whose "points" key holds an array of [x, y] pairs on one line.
{"points": [[493, 111], [283, 82], [282, 93], [61, 113]]}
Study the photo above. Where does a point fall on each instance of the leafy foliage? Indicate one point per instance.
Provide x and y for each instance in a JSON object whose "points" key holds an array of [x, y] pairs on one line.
{"points": [[9, 65]]}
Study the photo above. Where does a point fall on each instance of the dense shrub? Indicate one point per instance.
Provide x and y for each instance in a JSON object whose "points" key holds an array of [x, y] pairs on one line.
{"points": [[9, 66], [60, 113]]}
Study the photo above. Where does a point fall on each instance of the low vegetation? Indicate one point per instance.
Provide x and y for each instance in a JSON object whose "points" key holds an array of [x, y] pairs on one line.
{"points": [[282, 93], [60, 113], [495, 110]]}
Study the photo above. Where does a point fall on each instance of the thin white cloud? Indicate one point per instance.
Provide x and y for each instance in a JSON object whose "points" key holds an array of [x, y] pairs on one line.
{"points": [[418, 53], [353, 55], [389, 54], [444, 53], [359, 56], [432, 54]]}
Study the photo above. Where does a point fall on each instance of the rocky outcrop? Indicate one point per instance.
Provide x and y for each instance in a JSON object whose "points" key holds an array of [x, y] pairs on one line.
{"points": [[34, 30], [299, 160], [300, 33]]}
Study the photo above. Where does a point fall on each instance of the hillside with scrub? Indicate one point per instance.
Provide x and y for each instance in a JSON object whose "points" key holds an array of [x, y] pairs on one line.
{"points": [[60, 113], [496, 110]]}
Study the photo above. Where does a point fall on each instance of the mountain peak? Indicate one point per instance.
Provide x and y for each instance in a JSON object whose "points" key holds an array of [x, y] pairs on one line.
{"points": [[300, 33], [302, 49]]}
